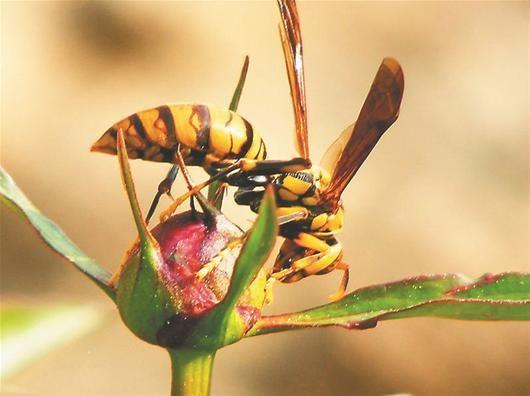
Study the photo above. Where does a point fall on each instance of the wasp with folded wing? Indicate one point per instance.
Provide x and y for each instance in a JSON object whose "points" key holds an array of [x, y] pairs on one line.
{"points": [[311, 247], [219, 140]]}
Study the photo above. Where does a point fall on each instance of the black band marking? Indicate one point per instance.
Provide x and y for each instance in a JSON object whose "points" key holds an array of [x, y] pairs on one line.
{"points": [[259, 151], [264, 150], [164, 113], [203, 132], [139, 126], [250, 137]]}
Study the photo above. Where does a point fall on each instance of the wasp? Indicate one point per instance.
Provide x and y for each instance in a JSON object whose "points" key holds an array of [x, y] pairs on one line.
{"points": [[310, 246], [204, 136], [308, 200], [308, 197]]}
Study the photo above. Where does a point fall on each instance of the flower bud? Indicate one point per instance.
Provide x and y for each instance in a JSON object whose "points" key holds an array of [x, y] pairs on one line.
{"points": [[164, 291]]}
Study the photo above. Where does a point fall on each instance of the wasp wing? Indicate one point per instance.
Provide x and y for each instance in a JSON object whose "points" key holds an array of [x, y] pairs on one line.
{"points": [[333, 153], [295, 216], [291, 38], [379, 111]]}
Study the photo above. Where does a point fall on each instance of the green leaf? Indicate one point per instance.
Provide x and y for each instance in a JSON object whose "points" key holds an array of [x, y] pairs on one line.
{"points": [[213, 196], [223, 326], [255, 251], [143, 300], [29, 332], [492, 297], [128, 184], [234, 103], [51, 234]]}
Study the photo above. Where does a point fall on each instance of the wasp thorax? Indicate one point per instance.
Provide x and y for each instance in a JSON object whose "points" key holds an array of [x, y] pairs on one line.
{"points": [[192, 274], [302, 187]]}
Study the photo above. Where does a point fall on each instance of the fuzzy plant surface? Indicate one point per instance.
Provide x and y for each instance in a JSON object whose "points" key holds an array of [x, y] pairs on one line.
{"points": [[167, 297]]}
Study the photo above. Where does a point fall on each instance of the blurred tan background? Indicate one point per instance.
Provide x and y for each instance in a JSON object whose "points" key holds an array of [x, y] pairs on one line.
{"points": [[446, 190]]}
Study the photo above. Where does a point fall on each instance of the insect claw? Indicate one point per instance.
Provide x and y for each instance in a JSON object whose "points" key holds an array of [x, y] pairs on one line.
{"points": [[343, 283], [163, 188], [336, 296], [205, 270]]}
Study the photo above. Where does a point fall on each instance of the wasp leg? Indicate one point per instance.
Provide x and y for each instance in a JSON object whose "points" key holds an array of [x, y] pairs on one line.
{"points": [[292, 213], [343, 282], [163, 188], [309, 241], [274, 167], [192, 208], [260, 167], [217, 260], [326, 260], [244, 165], [290, 217], [286, 214], [245, 180], [206, 269], [310, 265], [247, 196], [209, 210], [193, 190]]}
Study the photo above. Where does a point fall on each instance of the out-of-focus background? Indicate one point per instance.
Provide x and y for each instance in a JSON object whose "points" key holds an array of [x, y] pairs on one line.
{"points": [[446, 190]]}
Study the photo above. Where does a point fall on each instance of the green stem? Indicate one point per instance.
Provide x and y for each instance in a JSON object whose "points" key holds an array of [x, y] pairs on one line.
{"points": [[191, 372]]}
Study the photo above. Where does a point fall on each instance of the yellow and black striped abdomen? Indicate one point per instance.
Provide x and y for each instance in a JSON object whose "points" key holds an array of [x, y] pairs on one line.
{"points": [[154, 134]]}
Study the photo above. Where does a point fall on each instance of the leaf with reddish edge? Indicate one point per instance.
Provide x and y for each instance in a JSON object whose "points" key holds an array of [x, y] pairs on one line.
{"points": [[504, 296], [504, 286], [52, 234], [224, 325]]}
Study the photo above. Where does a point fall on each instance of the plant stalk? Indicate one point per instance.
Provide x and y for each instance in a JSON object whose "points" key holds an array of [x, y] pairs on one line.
{"points": [[191, 372]]}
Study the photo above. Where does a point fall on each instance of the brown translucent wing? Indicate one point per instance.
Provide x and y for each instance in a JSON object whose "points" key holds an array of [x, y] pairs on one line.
{"points": [[292, 50], [332, 155], [379, 111]]}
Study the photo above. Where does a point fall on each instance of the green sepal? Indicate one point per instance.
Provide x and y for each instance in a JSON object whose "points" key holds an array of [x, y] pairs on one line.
{"points": [[144, 302], [224, 324], [504, 296], [234, 103], [52, 234], [213, 196]]}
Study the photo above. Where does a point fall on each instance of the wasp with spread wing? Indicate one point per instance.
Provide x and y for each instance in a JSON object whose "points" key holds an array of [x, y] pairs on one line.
{"points": [[311, 247]]}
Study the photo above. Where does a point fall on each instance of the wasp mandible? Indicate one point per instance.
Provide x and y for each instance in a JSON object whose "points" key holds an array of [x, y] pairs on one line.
{"points": [[310, 246]]}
